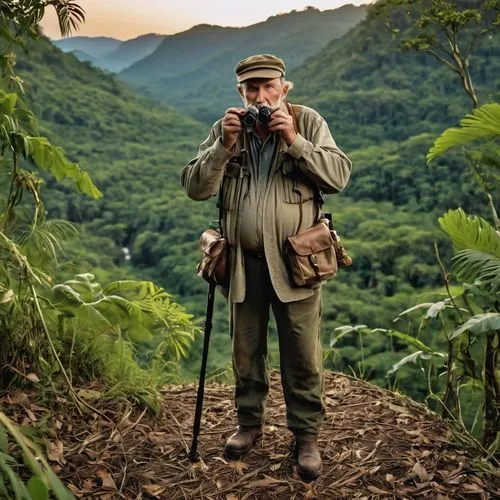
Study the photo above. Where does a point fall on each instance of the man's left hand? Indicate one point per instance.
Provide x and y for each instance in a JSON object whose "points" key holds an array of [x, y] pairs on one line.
{"points": [[281, 121]]}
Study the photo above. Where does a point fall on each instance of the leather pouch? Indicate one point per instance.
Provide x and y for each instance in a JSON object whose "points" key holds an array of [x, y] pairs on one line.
{"points": [[214, 265], [311, 255]]}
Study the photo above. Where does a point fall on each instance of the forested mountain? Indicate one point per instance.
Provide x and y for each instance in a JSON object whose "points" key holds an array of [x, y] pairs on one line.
{"points": [[387, 104], [135, 150], [187, 65], [83, 56]]}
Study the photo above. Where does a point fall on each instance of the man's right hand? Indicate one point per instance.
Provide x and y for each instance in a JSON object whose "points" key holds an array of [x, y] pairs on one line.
{"points": [[231, 127]]}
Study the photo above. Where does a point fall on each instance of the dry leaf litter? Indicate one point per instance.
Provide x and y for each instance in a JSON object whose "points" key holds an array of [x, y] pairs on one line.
{"points": [[375, 445]]}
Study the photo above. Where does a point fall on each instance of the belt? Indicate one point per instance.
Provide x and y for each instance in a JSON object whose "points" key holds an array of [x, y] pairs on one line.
{"points": [[255, 255]]}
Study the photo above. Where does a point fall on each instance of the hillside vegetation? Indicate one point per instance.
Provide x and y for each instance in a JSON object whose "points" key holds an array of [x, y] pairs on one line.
{"points": [[90, 342]]}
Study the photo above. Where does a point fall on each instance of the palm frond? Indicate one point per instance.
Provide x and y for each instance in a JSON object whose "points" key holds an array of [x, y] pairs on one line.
{"points": [[470, 232], [69, 15], [477, 265], [482, 123]]}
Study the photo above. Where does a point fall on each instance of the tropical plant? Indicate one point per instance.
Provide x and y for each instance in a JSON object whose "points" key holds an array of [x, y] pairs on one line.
{"points": [[122, 315], [478, 260], [482, 124], [76, 330], [128, 332], [469, 321], [19, 20]]}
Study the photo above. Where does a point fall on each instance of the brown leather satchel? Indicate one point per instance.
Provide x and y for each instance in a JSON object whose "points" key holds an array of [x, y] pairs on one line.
{"points": [[311, 255], [214, 264], [214, 260]]}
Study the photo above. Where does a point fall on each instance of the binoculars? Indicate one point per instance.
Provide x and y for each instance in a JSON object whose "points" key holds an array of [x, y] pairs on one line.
{"points": [[255, 115]]}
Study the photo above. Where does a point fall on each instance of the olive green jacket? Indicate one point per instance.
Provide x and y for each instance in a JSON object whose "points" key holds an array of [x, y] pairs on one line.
{"points": [[313, 161]]}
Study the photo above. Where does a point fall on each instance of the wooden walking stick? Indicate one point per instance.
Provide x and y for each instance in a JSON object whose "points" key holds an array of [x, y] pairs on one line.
{"points": [[193, 454]]}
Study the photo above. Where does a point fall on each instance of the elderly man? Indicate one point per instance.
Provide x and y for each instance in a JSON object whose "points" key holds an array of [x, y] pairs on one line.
{"points": [[269, 176]]}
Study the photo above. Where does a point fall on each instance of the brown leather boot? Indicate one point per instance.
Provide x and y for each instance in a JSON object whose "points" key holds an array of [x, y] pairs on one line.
{"points": [[241, 441], [309, 464]]}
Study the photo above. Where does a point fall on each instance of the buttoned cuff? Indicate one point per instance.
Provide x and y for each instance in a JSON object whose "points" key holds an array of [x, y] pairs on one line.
{"points": [[220, 154], [298, 146]]}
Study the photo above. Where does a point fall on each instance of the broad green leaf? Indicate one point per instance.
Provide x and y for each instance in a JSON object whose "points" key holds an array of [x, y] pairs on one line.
{"points": [[483, 123], [86, 290], [8, 103], [344, 330], [433, 308], [481, 323], [37, 488], [348, 328], [436, 308], [140, 334], [52, 158], [413, 358], [473, 384], [407, 338], [67, 296], [470, 232]]}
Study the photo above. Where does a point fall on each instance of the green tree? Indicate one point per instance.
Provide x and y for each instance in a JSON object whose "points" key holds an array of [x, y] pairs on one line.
{"points": [[449, 30]]}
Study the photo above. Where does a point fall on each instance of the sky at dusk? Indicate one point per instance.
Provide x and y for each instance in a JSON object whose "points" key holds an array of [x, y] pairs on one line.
{"points": [[125, 19]]}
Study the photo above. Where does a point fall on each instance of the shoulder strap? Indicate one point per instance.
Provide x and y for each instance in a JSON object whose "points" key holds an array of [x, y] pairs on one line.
{"points": [[294, 109], [242, 150]]}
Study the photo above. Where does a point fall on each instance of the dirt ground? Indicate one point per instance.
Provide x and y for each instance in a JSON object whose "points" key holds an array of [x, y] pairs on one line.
{"points": [[375, 445]]}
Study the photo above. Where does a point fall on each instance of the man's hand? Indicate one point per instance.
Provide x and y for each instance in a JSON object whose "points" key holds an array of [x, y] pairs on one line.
{"points": [[281, 121], [231, 127]]}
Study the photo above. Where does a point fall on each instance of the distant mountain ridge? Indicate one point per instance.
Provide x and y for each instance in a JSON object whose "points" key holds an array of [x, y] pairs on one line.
{"points": [[130, 51], [93, 46], [184, 66], [109, 53]]}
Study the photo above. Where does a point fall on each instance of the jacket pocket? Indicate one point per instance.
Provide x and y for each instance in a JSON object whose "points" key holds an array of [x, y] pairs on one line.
{"points": [[232, 185], [296, 187]]}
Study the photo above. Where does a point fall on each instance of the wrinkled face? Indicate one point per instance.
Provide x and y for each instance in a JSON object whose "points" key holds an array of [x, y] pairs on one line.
{"points": [[263, 91]]}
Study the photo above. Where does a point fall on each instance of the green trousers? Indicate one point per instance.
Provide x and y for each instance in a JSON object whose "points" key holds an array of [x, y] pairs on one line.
{"points": [[301, 363]]}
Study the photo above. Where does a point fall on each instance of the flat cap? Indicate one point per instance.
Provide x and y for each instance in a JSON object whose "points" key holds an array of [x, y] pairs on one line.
{"points": [[260, 66]]}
